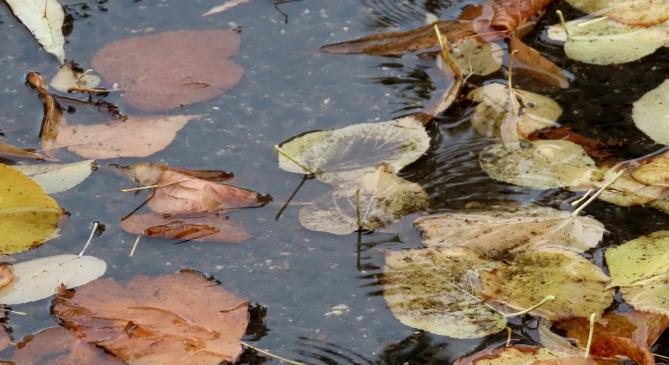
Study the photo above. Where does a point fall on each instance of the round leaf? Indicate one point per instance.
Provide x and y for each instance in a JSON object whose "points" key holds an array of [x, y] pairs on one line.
{"points": [[646, 257], [651, 113]]}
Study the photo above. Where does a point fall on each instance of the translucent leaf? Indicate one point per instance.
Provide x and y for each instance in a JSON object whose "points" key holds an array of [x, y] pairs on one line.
{"points": [[435, 290], [346, 154], [55, 178], [45, 21], [578, 285], [478, 57], [499, 233], [541, 165], [646, 257], [68, 76], [651, 113]]}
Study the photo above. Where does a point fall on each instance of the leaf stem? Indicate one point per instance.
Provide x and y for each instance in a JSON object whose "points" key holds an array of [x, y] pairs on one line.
{"points": [[127, 190], [564, 24], [134, 245], [96, 224], [277, 357], [283, 153], [548, 298], [597, 194], [590, 334]]}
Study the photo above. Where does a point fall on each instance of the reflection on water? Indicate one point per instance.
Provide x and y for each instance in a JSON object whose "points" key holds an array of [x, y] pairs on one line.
{"points": [[391, 13]]}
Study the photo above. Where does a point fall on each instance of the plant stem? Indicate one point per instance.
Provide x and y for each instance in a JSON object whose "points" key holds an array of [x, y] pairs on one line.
{"points": [[548, 298], [590, 334], [96, 224], [295, 161], [277, 357]]}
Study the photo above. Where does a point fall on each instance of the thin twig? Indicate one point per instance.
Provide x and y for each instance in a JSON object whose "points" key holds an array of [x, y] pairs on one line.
{"points": [[134, 245], [292, 196], [277, 357], [96, 224], [127, 190], [548, 298], [590, 334]]}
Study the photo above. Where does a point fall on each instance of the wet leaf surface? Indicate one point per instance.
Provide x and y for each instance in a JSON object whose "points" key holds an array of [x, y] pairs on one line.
{"points": [[200, 228]]}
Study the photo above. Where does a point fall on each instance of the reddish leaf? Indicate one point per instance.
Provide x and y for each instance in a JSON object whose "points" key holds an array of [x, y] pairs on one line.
{"points": [[611, 346], [167, 70], [179, 193], [536, 65], [207, 227], [567, 361], [174, 319], [509, 14], [57, 346], [52, 111], [597, 149]]}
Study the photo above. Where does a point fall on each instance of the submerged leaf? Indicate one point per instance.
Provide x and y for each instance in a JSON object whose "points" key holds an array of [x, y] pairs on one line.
{"points": [[578, 285], [348, 153], [168, 70], [496, 234], [433, 290], [55, 178], [40, 278], [536, 65], [541, 165], [28, 216], [135, 137], [173, 319], [478, 57], [45, 21], [200, 228], [651, 113], [379, 198]]}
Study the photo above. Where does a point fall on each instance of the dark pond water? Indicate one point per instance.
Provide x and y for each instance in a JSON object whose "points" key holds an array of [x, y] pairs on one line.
{"points": [[289, 88]]}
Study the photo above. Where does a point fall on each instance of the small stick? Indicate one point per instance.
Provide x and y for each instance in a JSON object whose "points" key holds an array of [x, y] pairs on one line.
{"points": [[298, 163], [292, 196], [96, 224], [127, 190], [134, 245], [548, 298], [661, 356], [590, 334], [88, 90], [13, 311], [597, 194], [277, 357], [585, 196], [564, 24]]}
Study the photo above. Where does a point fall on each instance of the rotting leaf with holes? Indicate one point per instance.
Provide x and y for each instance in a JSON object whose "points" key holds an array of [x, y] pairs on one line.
{"points": [[375, 200], [45, 21], [56, 178], [434, 290], [348, 153], [540, 165], [28, 216], [135, 137], [651, 113], [58, 346], [500, 233], [168, 70], [579, 286], [200, 228], [40, 278], [173, 319]]}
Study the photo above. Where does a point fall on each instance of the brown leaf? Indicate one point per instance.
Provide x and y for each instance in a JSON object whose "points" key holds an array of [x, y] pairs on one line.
{"points": [[58, 346], [596, 149], [201, 228], [509, 14], [611, 346], [513, 354], [147, 173], [567, 361], [398, 43], [174, 319], [179, 193], [12, 151], [53, 113], [536, 65], [168, 70], [135, 137], [6, 275]]}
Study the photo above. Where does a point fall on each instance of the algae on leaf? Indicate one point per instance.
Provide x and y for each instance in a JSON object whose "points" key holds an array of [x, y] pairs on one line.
{"points": [[643, 258]]}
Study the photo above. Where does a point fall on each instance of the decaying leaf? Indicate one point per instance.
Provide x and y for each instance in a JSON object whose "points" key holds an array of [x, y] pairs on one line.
{"points": [[651, 113], [28, 216], [135, 137], [8, 150], [201, 228], [146, 173], [509, 355], [225, 6], [45, 21], [57, 346], [55, 178], [478, 57], [612, 346], [168, 70], [536, 65], [173, 319], [348, 153], [375, 200], [627, 191], [509, 14], [535, 112], [40, 278], [632, 12], [498, 234], [653, 171], [638, 260], [435, 290], [594, 148], [53, 114], [540, 165], [578, 285], [179, 193], [70, 75]]}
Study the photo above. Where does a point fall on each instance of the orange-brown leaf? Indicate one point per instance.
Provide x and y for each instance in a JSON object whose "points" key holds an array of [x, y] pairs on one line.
{"points": [[612, 346], [147, 173], [536, 65], [174, 319], [53, 113], [12, 151], [596, 149], [207, 227], [509, 14]]}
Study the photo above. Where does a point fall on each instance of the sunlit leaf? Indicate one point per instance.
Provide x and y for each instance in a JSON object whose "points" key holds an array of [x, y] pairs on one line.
{"points": [[643, 258], [578, 285], [55, 178], [435, 290], [41, 278], [45, 20], [651, 113], [632, 12]]}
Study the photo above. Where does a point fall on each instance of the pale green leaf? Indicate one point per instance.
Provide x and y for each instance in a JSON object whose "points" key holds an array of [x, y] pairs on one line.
{"points": [[55, 178], [643, 258], [651, 113], [44, 19]]}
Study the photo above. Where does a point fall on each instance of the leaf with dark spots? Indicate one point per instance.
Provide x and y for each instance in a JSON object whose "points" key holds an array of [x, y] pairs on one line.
{"points": [[201, 228]]}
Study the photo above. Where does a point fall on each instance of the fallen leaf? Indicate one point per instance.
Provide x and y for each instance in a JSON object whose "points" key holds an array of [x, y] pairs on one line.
{"points": [[611, 346], [651, 296], [535, 111], [594, 148], [640, 259], [6, 275], [55, 178], [509, 14], [651, 113], [498, 234], [626, 191], [12, 151], [40, 278], [536, 65], [225, 6], [57, 346], [179, 193], [346, 154], [478, 57], [44, 19], [433, 290], [53, 114], [200, 228], [634, 12], [541, 165], [70, 75], [173, 319], [29, 216], [146, 173], [135, 137], [168, 70], [653, 171], [578, 285], [509, 355], [370, 203]]}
